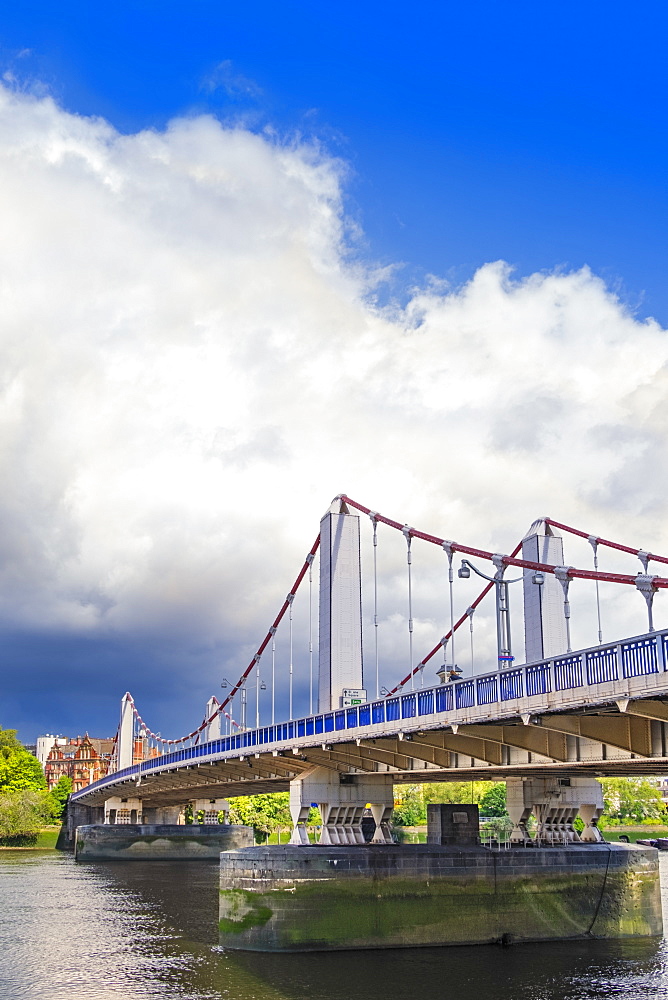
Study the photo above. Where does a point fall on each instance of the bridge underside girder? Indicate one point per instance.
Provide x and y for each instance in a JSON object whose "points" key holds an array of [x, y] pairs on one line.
{"points": [[621, 738]]}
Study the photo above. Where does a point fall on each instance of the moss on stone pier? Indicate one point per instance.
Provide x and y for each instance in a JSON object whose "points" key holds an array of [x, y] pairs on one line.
{"points": [[305, 899]]}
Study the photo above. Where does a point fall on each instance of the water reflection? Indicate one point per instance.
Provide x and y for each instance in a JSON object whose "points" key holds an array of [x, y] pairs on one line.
{"points": [[108, 931]]}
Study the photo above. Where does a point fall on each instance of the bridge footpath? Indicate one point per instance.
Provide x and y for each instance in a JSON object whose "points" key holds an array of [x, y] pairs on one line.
{"points": [[593, 712]]}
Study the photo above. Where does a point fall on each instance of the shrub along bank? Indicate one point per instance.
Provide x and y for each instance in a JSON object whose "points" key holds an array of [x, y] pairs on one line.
{"points": [[25, 804]]}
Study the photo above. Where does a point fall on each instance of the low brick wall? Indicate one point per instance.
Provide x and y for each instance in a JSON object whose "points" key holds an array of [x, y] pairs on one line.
{"points": [[100, 842], [389, 896]]}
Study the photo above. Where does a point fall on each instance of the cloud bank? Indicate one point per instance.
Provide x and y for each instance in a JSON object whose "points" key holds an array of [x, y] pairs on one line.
{"points": [[193, 364]]}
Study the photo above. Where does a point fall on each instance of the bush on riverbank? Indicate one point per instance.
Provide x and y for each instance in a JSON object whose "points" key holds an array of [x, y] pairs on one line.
{"points": [[25, 804], [22, 816]]}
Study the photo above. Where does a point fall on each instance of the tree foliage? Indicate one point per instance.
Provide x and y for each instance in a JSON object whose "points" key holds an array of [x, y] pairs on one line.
{"points": [[25, 805], [411, 801], [19, 770], [22, 815], [265, 813], [9, 741], [636, 799], [409, 805], [493, 802], [59, 795]]}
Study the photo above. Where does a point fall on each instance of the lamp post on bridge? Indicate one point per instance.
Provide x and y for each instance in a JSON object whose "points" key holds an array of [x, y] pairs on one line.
{"points": [[503, 636], [226, 684]]}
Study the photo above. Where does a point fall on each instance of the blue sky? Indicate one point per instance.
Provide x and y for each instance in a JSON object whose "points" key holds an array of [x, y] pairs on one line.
{"points": [[532, 133], [211, 327]]}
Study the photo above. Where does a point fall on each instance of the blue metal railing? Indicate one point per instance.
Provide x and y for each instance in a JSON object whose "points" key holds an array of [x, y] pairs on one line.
{"points": [[602, 665], [639, 657], [636, 657]]}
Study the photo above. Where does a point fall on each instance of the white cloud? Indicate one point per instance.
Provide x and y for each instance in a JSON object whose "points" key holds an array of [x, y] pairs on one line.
{"points": [[191, 369]]}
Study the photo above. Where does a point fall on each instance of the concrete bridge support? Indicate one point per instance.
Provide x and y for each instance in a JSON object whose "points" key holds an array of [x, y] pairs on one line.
{"points": [[123, 811], [555, 802], [164, 816], [341, 800], [76, 815], [131, 811], [211, 809]]}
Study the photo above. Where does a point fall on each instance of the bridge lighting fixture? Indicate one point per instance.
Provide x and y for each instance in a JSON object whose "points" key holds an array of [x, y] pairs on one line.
{"points": [[384, 692], [503, 636], [538, 578]]}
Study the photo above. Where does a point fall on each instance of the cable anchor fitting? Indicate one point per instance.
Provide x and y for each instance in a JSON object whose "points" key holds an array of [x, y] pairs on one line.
{"points": [[644, 559], [645, 584]]}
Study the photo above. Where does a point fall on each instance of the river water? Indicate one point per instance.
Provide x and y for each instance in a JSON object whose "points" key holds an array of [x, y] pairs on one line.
{"points": [[121, 931]]}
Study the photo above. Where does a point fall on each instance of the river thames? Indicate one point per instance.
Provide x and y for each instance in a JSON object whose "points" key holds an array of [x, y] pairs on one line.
{"points": [[120, 931]]}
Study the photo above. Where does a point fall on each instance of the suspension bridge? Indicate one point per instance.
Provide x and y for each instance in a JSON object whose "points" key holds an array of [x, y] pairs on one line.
{"points": [[548, 726]]}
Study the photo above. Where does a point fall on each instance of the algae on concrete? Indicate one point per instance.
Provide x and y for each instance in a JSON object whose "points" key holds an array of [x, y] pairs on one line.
{"points": [[332, 899]]}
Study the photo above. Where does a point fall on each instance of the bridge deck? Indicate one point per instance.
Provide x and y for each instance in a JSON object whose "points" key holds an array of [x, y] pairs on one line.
{"points": [[594, 711]]}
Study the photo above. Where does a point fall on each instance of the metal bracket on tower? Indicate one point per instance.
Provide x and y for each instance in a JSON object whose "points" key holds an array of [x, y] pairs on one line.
{"points": [[593, 541], [561, 573], [449, 551], [499, 562], [645, 585], [644, 558]]}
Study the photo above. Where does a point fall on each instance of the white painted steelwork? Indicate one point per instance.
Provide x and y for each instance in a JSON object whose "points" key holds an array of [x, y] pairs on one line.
{"points": [[340, 647], [544, 622]]}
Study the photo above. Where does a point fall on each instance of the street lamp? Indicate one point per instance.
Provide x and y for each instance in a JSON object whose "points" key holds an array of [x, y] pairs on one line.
{"points": [[259, 686], [503, 636], [225, 684]]}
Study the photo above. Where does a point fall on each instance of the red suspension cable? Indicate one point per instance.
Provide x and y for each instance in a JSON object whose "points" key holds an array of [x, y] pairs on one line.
{"points": [[267, 639], [575, 574], [608, 544]]}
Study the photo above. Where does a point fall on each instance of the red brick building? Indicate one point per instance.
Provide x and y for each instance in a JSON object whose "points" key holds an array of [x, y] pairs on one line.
{"points": [[84, 760]]}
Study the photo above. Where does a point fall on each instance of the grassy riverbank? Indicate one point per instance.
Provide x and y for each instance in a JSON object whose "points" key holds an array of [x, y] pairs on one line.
{"points": [[46, 841]]}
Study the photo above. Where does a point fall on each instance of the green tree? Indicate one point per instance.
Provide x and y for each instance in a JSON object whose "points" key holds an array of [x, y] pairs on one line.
{"points": [[8, 739], [411, 801], [19, 770], [493, 802], [633, 799], [457, 791], [22, 815], [59, 795], [268, 813], [409, 805]]}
